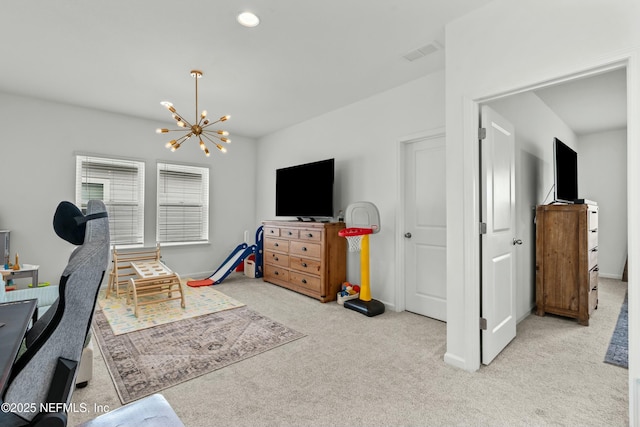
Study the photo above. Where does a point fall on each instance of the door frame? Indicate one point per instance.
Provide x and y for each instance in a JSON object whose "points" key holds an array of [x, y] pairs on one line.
{"points": [[471, 216], [400, 211]]}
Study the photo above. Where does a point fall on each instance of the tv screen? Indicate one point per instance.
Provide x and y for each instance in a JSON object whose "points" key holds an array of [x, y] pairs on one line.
{"points": [[565, 166], [305, 190]]}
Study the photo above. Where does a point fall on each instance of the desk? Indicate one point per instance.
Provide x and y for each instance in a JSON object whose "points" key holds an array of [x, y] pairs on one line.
{"points": [[16, 316], [26, 270]]}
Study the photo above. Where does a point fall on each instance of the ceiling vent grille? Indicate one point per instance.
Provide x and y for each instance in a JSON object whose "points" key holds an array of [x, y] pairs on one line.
{"points": [[423, 51]]}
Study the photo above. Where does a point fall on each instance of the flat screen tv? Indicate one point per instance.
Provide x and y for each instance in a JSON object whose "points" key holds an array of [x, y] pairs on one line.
{"points": [[565, 170], [305, 191]]}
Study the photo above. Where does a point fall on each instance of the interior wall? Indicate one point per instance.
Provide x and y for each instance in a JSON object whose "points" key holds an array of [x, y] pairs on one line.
{"points": [[500, 48], [363, 138], [39, 142], [602, 177], [535, 127]]}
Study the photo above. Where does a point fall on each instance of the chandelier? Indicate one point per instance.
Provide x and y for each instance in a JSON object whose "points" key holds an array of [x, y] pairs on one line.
{"points": [[199, 128]]}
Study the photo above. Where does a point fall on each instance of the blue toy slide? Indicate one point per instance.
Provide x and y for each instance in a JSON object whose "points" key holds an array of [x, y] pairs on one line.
{"points": [[237, 256]]}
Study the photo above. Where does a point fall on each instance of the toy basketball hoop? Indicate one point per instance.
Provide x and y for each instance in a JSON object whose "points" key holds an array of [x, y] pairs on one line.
{"points": [[354, 237]]}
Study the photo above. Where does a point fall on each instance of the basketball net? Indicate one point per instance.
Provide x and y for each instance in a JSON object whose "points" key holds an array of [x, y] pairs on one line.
{"points": [[354, 237]]}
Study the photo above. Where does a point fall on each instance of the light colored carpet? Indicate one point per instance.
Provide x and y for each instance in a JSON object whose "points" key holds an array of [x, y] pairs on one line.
{"points": [[199, 301], [351, 370]]}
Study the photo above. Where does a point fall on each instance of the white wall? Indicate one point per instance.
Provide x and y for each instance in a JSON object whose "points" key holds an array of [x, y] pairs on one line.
{"points": [[507, 46], [38, 142], [363, 138], [602, 177], [535, 127]]}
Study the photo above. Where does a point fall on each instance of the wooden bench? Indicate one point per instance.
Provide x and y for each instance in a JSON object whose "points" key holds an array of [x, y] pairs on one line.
{"points": [[153, 278], [122, 270]]}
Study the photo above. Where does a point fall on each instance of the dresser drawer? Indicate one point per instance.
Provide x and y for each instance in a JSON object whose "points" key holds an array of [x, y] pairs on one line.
{"points": [[309, 266], [592, 238], [280, 245], [593, 257], [276, 272], [305, 249], [305, 281], [271, 231], [289, 233], [311, 235], [593, 217], [593, 278], [276, 258]]}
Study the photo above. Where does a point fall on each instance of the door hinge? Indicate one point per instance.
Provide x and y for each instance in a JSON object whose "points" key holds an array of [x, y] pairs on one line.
{"points": [[483, 324], [483, 228], [482, 133]]}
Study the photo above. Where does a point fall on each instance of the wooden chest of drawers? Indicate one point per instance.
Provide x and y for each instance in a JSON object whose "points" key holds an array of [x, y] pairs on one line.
{"points": [[567, 260], [306, 257]]}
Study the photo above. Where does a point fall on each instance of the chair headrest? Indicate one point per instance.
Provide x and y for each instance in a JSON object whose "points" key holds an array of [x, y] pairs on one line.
{"points": [[70, 223]]}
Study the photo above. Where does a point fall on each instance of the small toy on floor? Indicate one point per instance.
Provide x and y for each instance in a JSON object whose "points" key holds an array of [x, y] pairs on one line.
{"points": [[348, 291]]}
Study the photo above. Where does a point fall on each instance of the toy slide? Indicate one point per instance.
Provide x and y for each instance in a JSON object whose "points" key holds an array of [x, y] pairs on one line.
{"points": [[237, 256]]}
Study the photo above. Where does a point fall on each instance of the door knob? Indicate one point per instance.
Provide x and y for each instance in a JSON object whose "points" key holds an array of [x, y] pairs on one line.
{"points": [[407, 235], [517, 241]]}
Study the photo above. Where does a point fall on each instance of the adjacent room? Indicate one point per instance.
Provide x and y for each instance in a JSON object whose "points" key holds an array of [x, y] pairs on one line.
{"points": [[327, 214]]}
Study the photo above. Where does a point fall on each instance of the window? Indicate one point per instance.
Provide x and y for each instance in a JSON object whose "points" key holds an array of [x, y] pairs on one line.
{"points": [[120, 185], [183, 204]]}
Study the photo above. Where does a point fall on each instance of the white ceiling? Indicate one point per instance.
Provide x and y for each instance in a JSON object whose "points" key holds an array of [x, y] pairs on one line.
{"points": [[590, 104], [304, 59]]}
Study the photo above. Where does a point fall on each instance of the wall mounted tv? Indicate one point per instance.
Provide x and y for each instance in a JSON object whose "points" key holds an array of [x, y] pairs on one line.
{"points": [[565, 171], [306, 190]]}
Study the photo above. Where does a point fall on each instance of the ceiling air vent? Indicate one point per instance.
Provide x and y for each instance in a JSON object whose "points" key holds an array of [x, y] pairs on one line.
{"points": [[423, 51]]}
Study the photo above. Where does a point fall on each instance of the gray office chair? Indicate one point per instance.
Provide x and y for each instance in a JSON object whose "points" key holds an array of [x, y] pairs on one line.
{"points": [[45, 373]]}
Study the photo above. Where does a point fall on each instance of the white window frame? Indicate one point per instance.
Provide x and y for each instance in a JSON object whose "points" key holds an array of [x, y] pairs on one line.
{"points": [[123, 191], [184, 198]]}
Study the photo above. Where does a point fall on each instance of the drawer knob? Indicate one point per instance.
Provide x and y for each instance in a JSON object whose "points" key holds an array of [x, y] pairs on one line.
{"points": [[304, 281], [276, 245], [289, 233], [276, 258], [276, 273], [304, 249], [304, 264], [309, 235]]}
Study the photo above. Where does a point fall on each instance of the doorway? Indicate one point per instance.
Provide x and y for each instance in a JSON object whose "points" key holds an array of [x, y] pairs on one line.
{"points": [[539, 114]]}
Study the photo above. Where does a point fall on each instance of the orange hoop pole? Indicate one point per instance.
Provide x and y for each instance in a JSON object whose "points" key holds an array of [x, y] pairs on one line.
{"points": [[365, 289]]}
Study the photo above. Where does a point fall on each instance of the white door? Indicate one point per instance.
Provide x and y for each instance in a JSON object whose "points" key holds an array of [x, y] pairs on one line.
{"points": [[497, 153], [425, 227]]}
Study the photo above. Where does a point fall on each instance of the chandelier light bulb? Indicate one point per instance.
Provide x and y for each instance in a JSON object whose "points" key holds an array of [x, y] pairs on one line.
{"points": [[203, 114], [222, 132], [181, 123], [162, 130], [227, 140], [206, 152]]}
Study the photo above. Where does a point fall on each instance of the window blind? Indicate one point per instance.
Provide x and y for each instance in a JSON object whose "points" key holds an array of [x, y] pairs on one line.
{"points": [[183, 204], [120, 185]]}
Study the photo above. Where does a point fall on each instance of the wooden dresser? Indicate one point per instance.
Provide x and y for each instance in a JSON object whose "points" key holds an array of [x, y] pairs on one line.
{"points": [[306, 257], [567, 260]]}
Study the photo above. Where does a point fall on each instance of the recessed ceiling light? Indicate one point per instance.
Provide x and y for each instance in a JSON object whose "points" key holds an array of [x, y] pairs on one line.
{"points": [[248, 19]]}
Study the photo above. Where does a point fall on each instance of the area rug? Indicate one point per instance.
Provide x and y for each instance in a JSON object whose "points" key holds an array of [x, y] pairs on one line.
{"points": [[149, 360], [198, 301], [618, 351]]}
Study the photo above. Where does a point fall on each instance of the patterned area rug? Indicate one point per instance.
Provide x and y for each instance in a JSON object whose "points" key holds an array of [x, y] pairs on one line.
{"points": [[149, 360], [618, 351], [199, 301]]}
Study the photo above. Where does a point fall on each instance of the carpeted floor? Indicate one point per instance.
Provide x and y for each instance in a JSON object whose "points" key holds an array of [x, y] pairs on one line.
{"points": [[618, 351], [149, 360], [199, 301]]}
